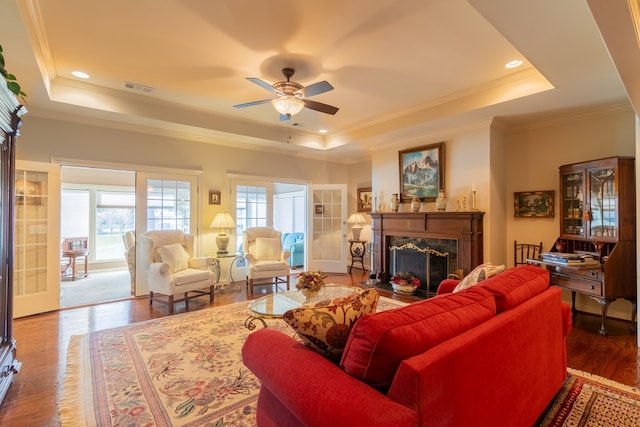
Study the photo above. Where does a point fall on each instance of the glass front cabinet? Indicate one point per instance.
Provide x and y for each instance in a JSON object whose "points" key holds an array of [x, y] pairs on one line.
{"points": [[591, 198], [597, 218]]}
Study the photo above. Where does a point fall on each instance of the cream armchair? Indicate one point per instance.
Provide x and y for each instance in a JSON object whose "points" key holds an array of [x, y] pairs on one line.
{"points": [[129, 240], [262, 248], [171, 268]]}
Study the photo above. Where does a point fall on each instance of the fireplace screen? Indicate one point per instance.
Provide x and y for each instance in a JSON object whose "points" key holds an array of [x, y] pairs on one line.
{"points": [[431, 260]]}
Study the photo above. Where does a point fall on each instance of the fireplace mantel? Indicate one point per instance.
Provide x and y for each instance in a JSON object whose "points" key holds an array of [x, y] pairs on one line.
{"points": [[465, 227]]}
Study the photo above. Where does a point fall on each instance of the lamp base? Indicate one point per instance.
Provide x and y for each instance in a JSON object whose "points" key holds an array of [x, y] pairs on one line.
{"points": [[356, 232], [222, 241], [222, 253]]}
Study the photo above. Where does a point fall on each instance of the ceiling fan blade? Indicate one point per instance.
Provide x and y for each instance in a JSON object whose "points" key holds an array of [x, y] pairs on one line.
{"points": [[251, 104], [261, 83], [319, 106], [317, 88]]}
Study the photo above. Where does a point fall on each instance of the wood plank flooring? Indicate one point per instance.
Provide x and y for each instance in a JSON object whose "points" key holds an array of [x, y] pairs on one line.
{"points": [[42, 342]]}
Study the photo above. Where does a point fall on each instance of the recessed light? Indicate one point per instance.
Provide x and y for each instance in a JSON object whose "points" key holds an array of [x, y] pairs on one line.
{"points": [[513, 64], [323, 131], [80, 74]]}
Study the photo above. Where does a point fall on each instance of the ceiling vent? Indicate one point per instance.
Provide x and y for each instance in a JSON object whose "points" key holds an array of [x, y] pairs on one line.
{"points": [[138, 87]]}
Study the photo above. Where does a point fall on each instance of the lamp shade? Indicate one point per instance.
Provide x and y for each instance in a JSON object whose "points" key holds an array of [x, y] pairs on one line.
{"points": [[357, 218], [288, 105], [223, 220]]}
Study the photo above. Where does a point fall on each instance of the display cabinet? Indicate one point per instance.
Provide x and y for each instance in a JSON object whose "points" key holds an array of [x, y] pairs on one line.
{"points": [[597, 219], [10, 120]]}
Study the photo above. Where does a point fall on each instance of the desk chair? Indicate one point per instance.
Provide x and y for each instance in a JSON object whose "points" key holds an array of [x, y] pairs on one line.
{"points": [[524, 251]]}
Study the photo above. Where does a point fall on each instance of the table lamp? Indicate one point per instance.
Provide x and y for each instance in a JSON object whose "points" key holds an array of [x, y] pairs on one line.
{"points": [[222, 221], [356, 219]]}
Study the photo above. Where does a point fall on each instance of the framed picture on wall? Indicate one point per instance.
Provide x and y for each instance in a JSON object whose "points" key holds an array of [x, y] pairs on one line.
{"points": [[533, 204], [214, 197], [364, 199], [422, 172]]}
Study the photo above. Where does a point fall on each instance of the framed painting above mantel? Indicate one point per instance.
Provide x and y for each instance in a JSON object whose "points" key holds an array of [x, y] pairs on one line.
{"points": [[421, 172]]}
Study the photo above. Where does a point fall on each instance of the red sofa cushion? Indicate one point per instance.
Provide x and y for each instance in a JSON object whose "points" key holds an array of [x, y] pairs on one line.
{"points": [[516, 285], [379, 342]]}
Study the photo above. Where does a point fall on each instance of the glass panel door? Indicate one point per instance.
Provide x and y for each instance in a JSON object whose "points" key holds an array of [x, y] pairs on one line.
{"points": [[572, 206], [165, 201], [36, 270], [603, 197], [327, 213]]}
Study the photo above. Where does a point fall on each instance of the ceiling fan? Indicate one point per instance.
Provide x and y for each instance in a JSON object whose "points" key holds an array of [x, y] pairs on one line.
{"points": [[292, 96]]}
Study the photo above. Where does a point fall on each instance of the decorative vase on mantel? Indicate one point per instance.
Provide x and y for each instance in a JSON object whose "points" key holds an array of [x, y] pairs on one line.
{"points": [[395, 202], [441, 201], [415, 205]]}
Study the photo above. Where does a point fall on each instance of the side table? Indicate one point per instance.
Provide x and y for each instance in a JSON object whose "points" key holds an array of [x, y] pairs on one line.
{"points": [[222, 267], [357, 249]]}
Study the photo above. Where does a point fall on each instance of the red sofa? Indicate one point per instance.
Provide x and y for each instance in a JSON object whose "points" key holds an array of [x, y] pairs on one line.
{"points": [[494, 354]]}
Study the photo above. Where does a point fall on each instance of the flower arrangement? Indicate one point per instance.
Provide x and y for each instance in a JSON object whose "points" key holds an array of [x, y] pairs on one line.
{"points": [[405, 279], [311, 280]]}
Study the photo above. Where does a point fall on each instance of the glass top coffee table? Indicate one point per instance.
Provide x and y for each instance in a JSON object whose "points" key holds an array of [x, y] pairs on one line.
{"points": [[275, 305]]}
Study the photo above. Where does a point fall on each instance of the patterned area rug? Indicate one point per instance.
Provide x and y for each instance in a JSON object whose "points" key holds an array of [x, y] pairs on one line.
{"points": [[186, 370], [182, 370], [592, 401]]}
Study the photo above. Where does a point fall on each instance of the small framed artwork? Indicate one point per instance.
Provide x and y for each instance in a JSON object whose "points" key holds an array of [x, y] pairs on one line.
{"points": [[364, 199], [319, 209], [422, 172], [533, 204], [214, 197]]}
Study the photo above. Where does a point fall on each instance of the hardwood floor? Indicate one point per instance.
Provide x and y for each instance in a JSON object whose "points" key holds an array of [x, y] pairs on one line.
{"points": [[42, 342]]}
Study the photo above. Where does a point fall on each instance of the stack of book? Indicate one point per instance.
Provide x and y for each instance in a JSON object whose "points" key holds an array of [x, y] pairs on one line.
{"points": [[567, 258]]}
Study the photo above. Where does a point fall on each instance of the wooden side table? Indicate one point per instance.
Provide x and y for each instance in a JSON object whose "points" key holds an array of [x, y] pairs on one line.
{"points": [[357, 249], [73, 248]]}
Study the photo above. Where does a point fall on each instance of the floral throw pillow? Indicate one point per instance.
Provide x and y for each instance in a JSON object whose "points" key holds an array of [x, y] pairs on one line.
{"points": [[478, 274], [325, 326]]}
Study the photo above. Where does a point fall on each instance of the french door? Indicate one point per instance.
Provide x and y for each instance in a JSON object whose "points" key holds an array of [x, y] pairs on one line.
{"points": [[36, 267], [165, 201], [327, 213]]}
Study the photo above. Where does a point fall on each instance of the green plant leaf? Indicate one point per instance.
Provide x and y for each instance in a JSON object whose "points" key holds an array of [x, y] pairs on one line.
{"points": [[14, 88]]}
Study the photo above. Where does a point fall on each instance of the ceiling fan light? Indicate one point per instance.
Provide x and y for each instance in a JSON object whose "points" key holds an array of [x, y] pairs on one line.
{"points": [[288, 105]]}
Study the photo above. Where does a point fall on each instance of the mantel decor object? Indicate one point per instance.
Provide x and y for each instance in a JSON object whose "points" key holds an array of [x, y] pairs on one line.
{"points": [[394, 205], [441, 201], [415, 204]]}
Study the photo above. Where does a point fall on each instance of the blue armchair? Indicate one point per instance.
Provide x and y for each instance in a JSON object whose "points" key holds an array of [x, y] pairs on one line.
{"points": [[294, 243]]}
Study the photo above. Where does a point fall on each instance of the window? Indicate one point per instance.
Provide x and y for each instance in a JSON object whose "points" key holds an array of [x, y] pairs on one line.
{"points": [[251, 209], [115, 214], [168, 205], [109, 213]]}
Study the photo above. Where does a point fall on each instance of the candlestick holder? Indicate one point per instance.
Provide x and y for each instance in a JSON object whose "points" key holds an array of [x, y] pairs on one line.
{"points": [[474, 201]]}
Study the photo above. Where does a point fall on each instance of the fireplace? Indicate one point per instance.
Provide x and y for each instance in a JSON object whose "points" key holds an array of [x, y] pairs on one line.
{"points": [[431, 245], [430, 260]]}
